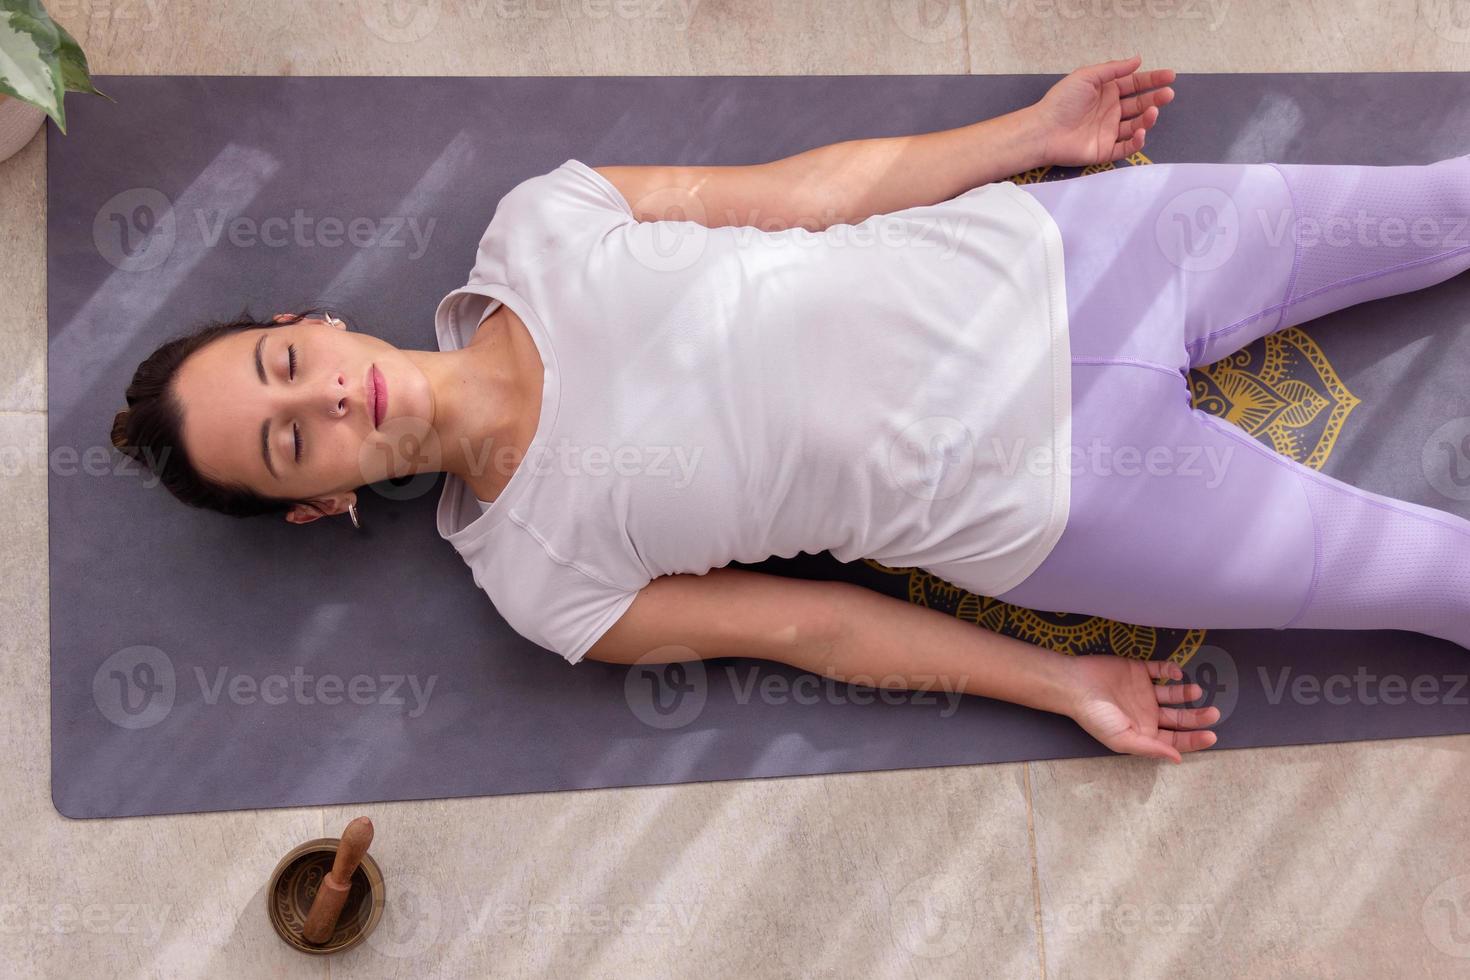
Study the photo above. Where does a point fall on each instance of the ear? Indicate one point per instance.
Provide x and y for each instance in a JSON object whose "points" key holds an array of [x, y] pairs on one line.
{"points": [[333, 505], [280, 317]]}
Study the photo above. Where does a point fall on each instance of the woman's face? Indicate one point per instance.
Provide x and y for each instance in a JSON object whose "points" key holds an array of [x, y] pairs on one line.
{"points": [[288, 411]]}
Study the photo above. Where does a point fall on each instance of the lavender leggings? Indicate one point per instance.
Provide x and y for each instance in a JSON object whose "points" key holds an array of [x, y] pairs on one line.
{"points": [[1174, 266]]}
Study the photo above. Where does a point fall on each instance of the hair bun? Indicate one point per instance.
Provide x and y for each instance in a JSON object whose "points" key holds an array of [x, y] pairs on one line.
{"points": [[120, 436]]}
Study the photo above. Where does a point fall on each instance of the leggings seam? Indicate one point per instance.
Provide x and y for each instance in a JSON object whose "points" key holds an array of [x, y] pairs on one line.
{"points": [[1289, 301], [1123, 361], [1235, 433], [1387, 505], [1296, 251], [1304, 473], [1350, 280], [1317, 556], [1307, 473], [1286, 300]]}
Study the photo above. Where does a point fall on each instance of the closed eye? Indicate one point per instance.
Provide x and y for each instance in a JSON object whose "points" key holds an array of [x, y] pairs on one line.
{"points": [[296, 440], [291, 357]]}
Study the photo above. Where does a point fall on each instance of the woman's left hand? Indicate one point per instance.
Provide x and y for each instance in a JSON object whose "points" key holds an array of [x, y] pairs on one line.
{"points": [[1116, 701], [1100, 113]]}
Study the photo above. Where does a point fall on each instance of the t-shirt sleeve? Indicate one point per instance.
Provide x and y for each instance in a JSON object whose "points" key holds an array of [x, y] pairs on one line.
{"points": [[554, 602], [547, 218]]}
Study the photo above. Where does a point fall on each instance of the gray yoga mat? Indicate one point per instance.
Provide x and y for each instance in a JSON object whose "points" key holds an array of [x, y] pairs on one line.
{"points": [[204, 663]]}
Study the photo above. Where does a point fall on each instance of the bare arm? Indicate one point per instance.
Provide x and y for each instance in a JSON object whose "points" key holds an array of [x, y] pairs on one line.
{"points": [[1094, 115], [852, 634]]}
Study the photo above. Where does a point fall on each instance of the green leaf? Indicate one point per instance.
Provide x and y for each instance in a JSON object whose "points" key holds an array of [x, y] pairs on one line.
{"points": [[30, 69], [75, 75], [40, 61]]}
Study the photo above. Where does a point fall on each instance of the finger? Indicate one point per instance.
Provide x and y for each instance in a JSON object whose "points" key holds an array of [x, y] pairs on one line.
{"points": [[1178, 693], [1135, 743], [1135, 104], [1127, 127], [1181, 719], [1130, 146], [1194, 741], [1164, 668], [1143, 80], [1111, 70]]}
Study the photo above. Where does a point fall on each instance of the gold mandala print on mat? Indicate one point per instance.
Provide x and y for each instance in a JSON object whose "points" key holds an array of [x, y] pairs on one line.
{"points": [[1281, 389]]}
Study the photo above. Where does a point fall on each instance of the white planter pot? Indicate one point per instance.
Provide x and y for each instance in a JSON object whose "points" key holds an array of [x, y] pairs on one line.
{"points": [[19, 121]]}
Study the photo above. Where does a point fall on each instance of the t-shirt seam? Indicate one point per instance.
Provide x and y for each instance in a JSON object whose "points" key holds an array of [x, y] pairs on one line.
{"points": [[579, 651], [459, 294], [551, 553], [604, 187]]}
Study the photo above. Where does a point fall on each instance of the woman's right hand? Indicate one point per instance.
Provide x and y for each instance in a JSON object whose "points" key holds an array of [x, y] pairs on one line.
{"points": [[1116, 701], [1101, 113]]}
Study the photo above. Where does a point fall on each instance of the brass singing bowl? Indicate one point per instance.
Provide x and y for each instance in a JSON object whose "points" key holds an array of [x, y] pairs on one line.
{"points": [[294, 884]]}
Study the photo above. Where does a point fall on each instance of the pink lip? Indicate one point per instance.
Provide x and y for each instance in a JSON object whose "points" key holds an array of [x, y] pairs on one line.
{"points": [[378, 393]]}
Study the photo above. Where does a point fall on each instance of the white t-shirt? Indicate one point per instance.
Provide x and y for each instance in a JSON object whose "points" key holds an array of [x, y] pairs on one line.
{"points": [[880, 390]]}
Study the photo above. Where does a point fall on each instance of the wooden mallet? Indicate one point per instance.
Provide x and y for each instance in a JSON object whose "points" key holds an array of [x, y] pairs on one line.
{"points": [[326, 908]]}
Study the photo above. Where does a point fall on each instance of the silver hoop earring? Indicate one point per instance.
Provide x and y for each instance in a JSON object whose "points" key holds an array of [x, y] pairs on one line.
{"points": [[352, 512], [331, 319]]}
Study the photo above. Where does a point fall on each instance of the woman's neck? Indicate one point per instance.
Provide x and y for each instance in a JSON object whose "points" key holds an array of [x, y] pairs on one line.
{"points": [[485, 403]]}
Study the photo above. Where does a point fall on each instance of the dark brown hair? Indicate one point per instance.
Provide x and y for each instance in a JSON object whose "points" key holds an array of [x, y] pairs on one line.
{"points": [[149, 429]]}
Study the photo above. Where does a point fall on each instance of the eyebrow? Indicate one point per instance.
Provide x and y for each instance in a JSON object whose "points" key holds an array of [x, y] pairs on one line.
{"points": [[265, 427]]}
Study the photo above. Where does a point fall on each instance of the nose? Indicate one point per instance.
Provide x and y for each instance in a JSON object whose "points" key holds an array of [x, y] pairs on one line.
{"points": [[337, 397], [328, 398]]}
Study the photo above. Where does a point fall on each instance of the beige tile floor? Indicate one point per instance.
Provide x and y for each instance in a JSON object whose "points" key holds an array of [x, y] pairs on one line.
{"points": [[1335, 860]]}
